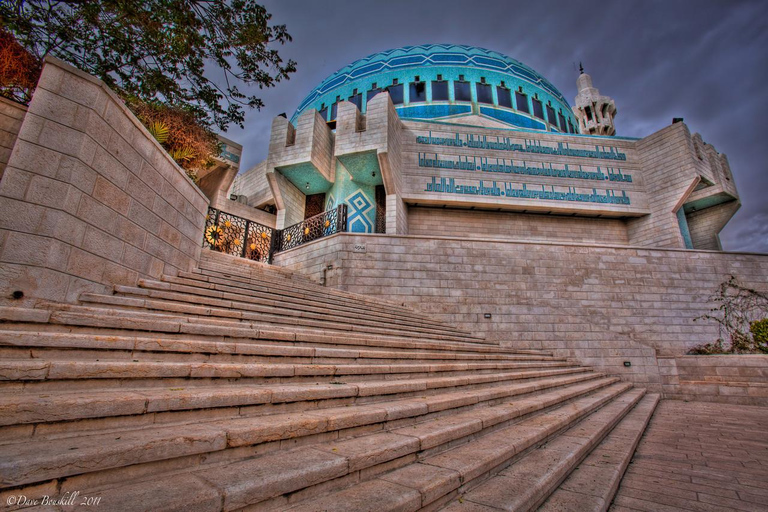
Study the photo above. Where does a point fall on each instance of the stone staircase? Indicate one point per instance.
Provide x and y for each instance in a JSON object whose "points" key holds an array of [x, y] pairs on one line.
{"points": [[243, 386]]}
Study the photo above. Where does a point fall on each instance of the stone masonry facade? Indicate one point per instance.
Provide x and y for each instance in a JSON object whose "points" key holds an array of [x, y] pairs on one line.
{"points": [[603, 305], [89, 198]]}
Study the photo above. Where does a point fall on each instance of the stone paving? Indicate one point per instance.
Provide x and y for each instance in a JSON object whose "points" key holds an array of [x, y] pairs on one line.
{"points": [[699, 456]]}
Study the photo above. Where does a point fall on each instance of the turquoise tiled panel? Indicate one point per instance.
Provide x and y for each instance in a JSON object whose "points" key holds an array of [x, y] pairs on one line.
{"points": [[359, 198], [509, 117]]}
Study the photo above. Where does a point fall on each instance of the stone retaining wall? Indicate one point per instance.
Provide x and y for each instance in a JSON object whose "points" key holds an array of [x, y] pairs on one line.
{"points": [[89, 199], [11, 115], [602, 305], [737, 379]]}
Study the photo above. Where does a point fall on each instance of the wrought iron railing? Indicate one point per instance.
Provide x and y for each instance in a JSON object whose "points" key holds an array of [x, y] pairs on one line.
{"points": [[323, 224], [237, 236]]}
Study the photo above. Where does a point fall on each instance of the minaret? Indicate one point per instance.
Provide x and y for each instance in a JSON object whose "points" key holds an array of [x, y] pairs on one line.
{"points": [[594, 111]]}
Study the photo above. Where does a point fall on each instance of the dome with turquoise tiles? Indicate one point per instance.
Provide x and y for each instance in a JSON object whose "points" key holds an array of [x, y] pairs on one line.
{"points": [[446, 81]]}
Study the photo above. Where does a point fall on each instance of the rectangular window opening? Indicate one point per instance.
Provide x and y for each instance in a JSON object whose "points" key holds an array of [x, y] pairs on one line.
{"points": [[504, 97], [484, 93], [417, 91], [522, 102], [439, 90], [538, 110], [461, 91]]}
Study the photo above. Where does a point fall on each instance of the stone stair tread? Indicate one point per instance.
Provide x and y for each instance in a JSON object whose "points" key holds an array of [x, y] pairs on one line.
{"points": [[250, 481], [525, 484], [174, 324], [309, 288], [62, 456], [250, 288], [158, 344], [63, 406], [39, 369], [267, 274], [593, 483], [439, 475], [171, 284], [266, 314]]}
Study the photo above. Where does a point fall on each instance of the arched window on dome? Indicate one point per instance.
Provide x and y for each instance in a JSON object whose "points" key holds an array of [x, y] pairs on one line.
{"points": [[551, 117], [483, 92], [521, 99], [538, 110], [561, 121], [570, 126], [396, 92], [461, 90], [323, 112], [372, 92], [335, 107], [503, 95], [417, 91], [440, 89], [357, 99]]}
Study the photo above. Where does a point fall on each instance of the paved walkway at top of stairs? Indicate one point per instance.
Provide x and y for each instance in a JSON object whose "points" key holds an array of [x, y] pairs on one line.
{"points": [[705, 457]]}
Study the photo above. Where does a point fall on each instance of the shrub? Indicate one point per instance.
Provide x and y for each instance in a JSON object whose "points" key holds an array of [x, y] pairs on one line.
{"points": [[19, 69], [759, 330], [737, 309], [190, 144]]}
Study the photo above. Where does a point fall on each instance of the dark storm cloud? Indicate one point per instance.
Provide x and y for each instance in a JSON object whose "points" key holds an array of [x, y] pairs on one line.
{"points": [[706, 61]]}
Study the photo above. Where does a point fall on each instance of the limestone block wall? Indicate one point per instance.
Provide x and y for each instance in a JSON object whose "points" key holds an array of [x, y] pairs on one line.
{"points": [[254, 185], [89, 199], [225, 204], [740, 379], [704, 225], [397, 215], [518, 226], [602, 305], [290, 201], [670, 175], [11, 116]]}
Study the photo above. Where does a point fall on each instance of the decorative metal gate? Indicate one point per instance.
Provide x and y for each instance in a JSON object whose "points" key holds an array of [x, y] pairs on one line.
{"points": [[237, 236]]}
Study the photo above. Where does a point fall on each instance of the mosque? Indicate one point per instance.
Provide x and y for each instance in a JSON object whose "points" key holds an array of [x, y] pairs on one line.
{"points": [[454, 140]]}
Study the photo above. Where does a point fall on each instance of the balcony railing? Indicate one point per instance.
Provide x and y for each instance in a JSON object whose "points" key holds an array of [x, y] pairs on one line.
{"points": [[322, 224], [237, 236]]}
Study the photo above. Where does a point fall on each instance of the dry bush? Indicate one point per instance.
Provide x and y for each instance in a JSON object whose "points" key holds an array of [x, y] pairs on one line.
{"points": [[19, 69], [737, 309], [191, 145]]}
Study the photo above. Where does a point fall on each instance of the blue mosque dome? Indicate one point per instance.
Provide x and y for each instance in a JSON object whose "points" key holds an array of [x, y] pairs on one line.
{"points": [[447, 81]]}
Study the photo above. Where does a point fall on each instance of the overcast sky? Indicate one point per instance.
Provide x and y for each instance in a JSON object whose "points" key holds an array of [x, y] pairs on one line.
{"points": [[705, 61]]}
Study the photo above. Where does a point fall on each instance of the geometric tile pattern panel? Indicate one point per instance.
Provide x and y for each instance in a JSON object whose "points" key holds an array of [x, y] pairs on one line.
{"points": [[360, 211]]}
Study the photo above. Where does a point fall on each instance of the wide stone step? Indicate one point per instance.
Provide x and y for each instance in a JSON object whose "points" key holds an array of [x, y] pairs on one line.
{"points": [[179, 289], [46, 376], [269, 478], [321, 295], [593, 483], [269, 279], [265, 282], [527, 483], [60, 456], [352, 303], [67, 345], [62, 406], [40, 369], [326, 322], [136, 320], [436, 477], [206, 306]]}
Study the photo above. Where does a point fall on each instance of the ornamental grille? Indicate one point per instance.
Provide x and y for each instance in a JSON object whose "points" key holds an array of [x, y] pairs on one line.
{"points": [[323, 224], [237, 236]]}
